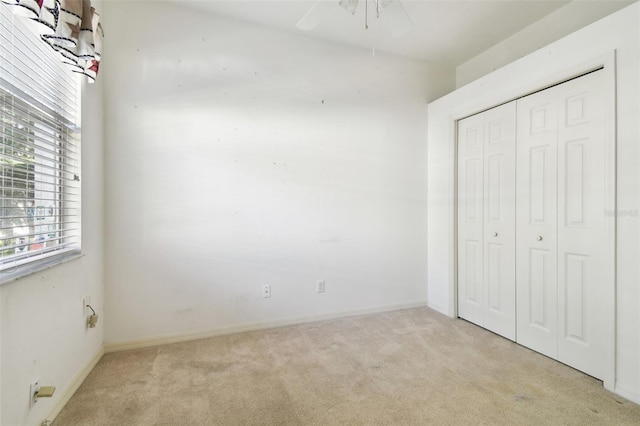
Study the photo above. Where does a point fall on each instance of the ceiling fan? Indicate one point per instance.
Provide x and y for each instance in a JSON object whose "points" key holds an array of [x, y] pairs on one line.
{"points": [[390, 12]]}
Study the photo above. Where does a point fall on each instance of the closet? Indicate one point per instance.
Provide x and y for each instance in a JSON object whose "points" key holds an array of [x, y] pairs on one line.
{"points": [[532, 232]]}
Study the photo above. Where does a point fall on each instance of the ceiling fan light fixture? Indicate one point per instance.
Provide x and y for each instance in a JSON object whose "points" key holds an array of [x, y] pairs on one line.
{"points": [[392, 14]]}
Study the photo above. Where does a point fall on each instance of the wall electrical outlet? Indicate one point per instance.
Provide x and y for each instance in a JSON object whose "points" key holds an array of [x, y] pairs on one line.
{"points": [[266, 291], [33, 392], [86, 301], [320, 286]]}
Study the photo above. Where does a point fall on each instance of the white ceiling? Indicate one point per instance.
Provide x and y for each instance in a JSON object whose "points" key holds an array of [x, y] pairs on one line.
{"points": [[444, 31]]}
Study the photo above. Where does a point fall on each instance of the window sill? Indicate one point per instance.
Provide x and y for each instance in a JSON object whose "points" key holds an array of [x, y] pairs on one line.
{"points": [[11, 275]]}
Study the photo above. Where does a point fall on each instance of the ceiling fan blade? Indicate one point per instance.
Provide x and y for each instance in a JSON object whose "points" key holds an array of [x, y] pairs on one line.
{"points": [[349, 5], [394, 17], [315, 15]]}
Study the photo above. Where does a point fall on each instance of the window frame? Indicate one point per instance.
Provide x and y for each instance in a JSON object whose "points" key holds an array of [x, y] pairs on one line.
{"points": [[49, 124]]}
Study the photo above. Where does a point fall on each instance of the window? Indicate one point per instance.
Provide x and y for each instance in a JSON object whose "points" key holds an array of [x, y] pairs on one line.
{"points": [[39, 152]]}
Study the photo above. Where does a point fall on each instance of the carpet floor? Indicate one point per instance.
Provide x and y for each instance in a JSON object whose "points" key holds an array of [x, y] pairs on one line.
{"points": [[409, 367]]}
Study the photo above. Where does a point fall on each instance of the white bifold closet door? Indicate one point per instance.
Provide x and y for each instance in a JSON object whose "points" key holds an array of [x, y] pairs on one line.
{"points": [[561, 255], [486, 219]]}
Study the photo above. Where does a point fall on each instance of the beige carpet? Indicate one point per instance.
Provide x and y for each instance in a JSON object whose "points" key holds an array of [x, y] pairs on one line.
{"points": [[411, 367]]}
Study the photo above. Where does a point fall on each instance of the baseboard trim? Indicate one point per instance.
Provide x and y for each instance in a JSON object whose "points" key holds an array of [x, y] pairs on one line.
{"points": [[627, 393], [72, 388], [253, 326], [441, 309]]}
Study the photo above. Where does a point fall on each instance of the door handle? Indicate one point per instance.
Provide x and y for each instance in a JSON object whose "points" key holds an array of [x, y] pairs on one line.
{"points": [[539, 238], [495, 234]]}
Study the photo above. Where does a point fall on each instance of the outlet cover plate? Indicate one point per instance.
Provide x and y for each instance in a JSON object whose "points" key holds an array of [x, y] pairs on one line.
{"points": [[33, 390], [86, 301]]}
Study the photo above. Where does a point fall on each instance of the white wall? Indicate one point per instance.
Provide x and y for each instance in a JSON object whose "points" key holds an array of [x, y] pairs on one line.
{"points": [[238, 156], [559, 23], [43, 331], [619, 31]]}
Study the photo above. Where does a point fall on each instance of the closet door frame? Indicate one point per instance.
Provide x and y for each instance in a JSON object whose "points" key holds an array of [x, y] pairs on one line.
{"points": [[607, 63]]}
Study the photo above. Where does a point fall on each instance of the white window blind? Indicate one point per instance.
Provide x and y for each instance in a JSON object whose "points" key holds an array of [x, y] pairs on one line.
{"points": [[39, 152]]}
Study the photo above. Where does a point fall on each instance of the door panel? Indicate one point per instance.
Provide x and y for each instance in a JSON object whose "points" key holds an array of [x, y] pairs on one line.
{"points": [[575, 182], [541, 297], [499, 223], [576, 292], [486, 219], [536, 215], [495, 187], [495, 264], [583, 265], [539, 169], [470, 219], [473, 190], [472, 273]]}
